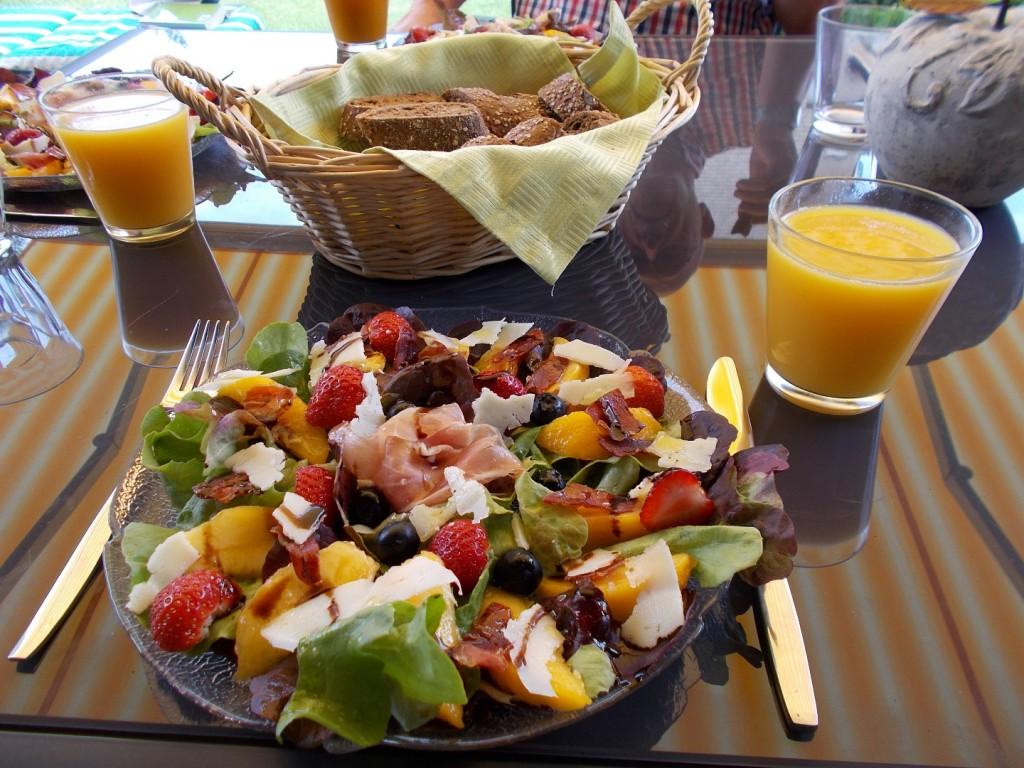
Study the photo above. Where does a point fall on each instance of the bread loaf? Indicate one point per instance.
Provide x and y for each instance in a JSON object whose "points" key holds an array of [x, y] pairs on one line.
{"points": [[565, 95], [501, 113], [587, 121], [489, 140], [441, 126], [536, 130], [348, 128]]}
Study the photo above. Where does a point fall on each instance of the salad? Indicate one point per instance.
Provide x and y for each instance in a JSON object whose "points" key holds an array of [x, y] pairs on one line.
{"points": [[27, 141], [548, 23], [396, 519]]}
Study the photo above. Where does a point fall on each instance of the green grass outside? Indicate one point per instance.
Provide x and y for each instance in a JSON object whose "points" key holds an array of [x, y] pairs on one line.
{"points": [[291, 15]]}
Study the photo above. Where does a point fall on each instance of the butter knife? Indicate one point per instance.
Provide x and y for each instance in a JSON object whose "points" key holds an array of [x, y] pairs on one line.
{"points": [[782, 640], [66, 589]]}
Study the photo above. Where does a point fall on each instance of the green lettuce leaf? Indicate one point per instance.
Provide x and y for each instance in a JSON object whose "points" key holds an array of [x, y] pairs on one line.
{"points": [[173, 447], [555, 533], [593, 665], [278, 346], [617, 475], [197, 510], [384, 660], [744, 495], [466, 614], [137, 544], [721, 551]]}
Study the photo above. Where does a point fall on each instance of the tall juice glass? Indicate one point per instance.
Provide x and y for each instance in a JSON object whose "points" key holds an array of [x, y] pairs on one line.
{"points": [[128, 140], [857, 269], [358, 24]]}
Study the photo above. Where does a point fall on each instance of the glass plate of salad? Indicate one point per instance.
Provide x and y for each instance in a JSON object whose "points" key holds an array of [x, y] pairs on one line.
{"points": [[457, 559]]}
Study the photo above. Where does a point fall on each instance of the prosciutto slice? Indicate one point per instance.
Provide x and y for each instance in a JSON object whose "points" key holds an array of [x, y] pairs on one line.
{"points": [[405, 459]]}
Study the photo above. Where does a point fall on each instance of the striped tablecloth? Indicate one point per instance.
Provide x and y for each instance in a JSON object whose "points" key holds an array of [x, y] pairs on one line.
{"points": [[914, 643]]}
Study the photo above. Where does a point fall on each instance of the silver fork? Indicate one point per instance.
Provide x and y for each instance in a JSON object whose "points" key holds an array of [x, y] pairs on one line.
{"points": [[204, 355]]}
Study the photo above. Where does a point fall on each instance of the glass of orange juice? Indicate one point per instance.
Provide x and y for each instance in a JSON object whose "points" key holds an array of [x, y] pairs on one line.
{"points": [[128, 139], [358, 24], [857, 269]]}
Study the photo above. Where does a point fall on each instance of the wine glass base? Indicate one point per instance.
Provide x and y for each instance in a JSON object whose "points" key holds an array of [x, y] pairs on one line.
{"points": [[349, 49], [812, 401], [841, 124]]}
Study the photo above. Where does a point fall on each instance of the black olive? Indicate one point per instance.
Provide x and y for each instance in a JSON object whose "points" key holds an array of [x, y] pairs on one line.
{"points": [[546, 408], [549, 477], [397, 542], [517, 571], [367, 507]]}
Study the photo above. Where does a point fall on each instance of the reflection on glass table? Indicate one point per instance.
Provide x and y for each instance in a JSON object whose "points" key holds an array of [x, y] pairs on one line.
{"points": [[162, 288], [37, 351]]}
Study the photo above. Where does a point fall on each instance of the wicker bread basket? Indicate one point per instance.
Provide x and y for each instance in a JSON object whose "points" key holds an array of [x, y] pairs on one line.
{"points": [[372, 215]]}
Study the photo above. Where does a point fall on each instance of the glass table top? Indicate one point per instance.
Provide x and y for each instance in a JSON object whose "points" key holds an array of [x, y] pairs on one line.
{"points": [[913, 638]]}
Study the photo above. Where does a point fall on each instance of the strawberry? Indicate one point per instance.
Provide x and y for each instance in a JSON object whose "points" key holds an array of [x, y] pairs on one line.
{"points": [[502, 383], [648, 392], [676, 498], [383, 331], [335, 397], [315, 485], [181, 613], [462, 546]]}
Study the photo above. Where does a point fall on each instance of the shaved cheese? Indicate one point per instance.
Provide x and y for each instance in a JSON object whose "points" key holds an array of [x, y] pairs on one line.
{"points": [[452, 345], [591, 390], [370, 412], [412, 578], [519, 533], [537, 632], [428, 520], [171, 558], [642, 488], [468, 496], [351, 597], [659, 606], [592, 561], [142, 596], [286, 630], [297, 517], [504, 413], [347, 350], [213, 386], [486, 334], [589, 354], [691, 455], [262, 464], [510, 332]]}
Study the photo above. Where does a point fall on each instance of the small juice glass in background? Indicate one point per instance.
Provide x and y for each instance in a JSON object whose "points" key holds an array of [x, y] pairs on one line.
{"points": [[128, 140], [857, 269], [358, 24]]}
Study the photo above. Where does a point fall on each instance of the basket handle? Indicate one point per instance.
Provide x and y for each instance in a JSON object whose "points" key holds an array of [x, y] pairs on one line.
{"points": [[232, 115], [689, 70]]}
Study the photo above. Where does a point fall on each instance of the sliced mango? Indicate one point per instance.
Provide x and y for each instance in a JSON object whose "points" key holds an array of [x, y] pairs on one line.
{"points": [[292, 430], [340, 563], [235, 540], [576, 434], [570, 692], [604, 528], [621, 595], [614, 585]]}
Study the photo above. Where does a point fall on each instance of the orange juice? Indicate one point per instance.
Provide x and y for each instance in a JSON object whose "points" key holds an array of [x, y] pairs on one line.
{"points": [[131, 150], [358, 21], [851, 290]]}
